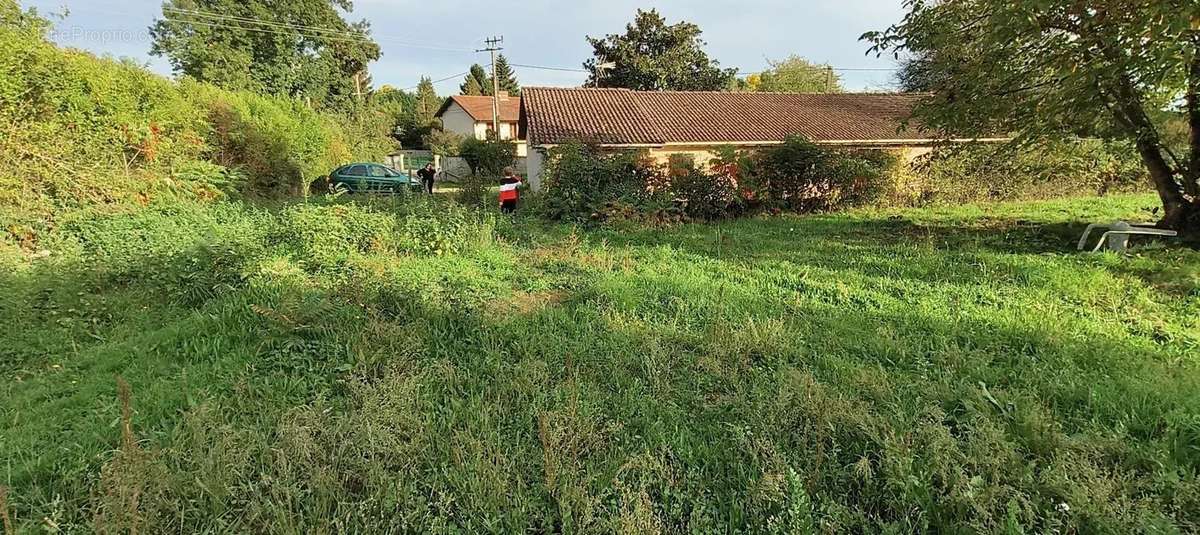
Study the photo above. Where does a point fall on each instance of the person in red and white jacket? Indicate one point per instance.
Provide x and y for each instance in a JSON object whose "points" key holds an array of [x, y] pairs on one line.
{"points": [[509, 193]]}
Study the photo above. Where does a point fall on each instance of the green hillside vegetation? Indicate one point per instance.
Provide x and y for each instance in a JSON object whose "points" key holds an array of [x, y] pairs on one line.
{"points": [[82, 132]]}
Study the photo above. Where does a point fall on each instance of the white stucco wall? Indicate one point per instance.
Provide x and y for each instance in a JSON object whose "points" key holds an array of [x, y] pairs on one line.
{"points": [[456, 120], [533, 168]]}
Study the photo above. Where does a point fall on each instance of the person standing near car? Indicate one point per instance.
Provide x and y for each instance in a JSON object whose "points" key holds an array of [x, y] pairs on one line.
{"points": [[426, 175], [508, 191]]}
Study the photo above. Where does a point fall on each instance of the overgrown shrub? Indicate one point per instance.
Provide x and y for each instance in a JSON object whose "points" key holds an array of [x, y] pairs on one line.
{"points": [[324, 236], [702, 194], [800, 175], [586, 183], [472, 191], [580, 179], [488, 157], [1053, 169], [280, 144], [444, 142], [435, 227], [78, 131], [657, 213]]}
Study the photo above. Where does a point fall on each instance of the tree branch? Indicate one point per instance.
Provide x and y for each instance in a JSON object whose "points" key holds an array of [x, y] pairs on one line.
{"points": [[1191, 176]]}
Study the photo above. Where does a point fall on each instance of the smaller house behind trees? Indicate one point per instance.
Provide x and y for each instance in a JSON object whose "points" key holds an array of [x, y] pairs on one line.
{"points": [[471, 117]]}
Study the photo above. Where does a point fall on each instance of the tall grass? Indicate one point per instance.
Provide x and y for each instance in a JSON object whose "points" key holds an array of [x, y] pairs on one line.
{"points": [[393, 365], [951, 369]]}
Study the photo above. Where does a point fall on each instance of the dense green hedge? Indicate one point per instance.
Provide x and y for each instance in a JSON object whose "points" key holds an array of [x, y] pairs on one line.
{"points": [[973, 173], [80, 131], [585, 183]]}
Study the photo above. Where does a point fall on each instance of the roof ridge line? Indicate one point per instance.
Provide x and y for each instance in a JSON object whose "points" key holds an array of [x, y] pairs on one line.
{"points": [[597, 89], [702, 92]]}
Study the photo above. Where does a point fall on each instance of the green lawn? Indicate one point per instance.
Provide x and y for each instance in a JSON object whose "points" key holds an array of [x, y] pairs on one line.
{"points": [[324, 369]]}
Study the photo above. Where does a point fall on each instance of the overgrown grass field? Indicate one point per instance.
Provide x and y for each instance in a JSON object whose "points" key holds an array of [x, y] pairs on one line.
{"points": [[384, 367]]}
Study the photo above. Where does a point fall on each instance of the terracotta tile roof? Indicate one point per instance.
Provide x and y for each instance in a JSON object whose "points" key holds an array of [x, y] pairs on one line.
{"points": [[621, 116], [480, 108]]}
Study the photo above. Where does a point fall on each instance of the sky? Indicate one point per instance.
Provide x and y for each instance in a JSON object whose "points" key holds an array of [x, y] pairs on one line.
{"points": [[437, 38]]}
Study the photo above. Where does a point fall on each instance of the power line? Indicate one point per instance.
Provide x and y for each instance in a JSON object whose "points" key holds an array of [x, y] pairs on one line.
{"points": [[814, 68], [564, 69], [835, 69], [439, 80]]}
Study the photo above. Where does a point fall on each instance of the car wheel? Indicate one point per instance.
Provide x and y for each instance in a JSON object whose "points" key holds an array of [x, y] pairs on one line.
{"points": [[338, 188]]}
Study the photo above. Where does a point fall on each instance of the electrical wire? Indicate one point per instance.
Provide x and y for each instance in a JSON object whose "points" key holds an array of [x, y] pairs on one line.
{"points": [[439, 80], [814, 68], [540, 67]]}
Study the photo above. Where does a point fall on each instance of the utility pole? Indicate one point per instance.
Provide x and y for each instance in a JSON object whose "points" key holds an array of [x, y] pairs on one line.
{"points": [[829, 78], [492, 46]]}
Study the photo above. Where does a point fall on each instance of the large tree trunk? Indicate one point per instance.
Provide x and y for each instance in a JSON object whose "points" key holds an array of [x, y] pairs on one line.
{"points": [[1191, 175], [1186, 218], [1179, 213]]}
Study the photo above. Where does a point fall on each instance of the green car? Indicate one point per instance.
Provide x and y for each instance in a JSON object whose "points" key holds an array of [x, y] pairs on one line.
{"points": [[370, 178]]}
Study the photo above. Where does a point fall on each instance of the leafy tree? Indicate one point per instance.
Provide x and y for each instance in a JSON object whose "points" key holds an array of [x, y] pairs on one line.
{"points": [[444, 142], [489, 156], [427, 103], [362, 81], [302, 48], [401, 106], [13, 17], [916, 74], [471, 87], [652, 55], [417, 120], [505, 77], [1104, 68], [477, 82], [393, 104], [751, 82], [794, 75]]}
